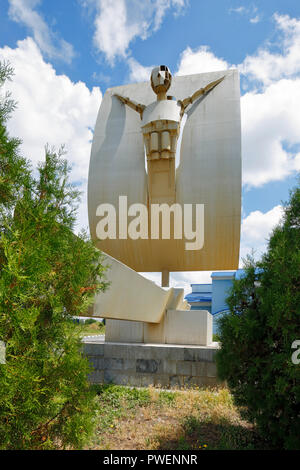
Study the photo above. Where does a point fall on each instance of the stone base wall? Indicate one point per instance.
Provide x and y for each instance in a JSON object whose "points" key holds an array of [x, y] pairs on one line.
{"points": [[159, 365]]}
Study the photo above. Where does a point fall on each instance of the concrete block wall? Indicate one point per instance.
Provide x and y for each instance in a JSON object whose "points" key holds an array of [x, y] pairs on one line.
{"points": [[192, 327], [159, 365]]}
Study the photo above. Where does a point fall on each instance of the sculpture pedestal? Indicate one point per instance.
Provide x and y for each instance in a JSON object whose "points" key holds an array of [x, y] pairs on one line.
{"points": [[141, 365], [193, 327]]}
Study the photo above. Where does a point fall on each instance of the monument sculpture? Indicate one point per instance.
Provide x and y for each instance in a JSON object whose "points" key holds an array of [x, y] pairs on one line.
{"points": [[134, 185], [161, 127]]}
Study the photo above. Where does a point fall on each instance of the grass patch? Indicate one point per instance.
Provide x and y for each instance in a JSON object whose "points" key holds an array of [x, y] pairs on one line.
{"points": [[116, 403], [93, 329], [154, 419], [166, 398]]}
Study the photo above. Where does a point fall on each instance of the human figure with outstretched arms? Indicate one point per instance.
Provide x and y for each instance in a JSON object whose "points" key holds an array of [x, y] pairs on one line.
{"points": [[161, 127]]}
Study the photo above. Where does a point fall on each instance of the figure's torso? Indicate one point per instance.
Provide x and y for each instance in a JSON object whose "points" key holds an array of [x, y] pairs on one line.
{"points": [[160, 128]]}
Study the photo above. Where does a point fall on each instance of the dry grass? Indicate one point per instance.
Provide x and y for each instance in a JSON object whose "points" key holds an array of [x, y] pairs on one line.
{"points": [[169, 420]]}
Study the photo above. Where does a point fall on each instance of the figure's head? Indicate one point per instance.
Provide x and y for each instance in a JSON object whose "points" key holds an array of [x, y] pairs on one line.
{"points": [[161, 79]]}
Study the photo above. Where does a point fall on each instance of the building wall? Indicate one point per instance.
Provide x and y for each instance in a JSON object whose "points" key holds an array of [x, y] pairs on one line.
{"points": [[204, 288], [220, 289], [201, 306]]}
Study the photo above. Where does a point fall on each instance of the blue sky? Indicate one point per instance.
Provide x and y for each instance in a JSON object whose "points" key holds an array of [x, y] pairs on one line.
{"points": [[66, 53]]}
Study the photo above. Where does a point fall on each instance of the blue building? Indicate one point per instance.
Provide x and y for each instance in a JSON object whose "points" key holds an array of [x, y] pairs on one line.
{"points": [[212, 297], [201, 296]]}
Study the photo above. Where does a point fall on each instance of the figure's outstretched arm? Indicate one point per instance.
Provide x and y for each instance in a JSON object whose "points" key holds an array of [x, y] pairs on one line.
{"points": [[187, 101], [139, 108]]}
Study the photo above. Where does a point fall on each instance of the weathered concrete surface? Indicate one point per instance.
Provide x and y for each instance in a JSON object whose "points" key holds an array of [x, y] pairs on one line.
{"points": [[176, 327], [151, 364], [189, 327], [131, 296]]}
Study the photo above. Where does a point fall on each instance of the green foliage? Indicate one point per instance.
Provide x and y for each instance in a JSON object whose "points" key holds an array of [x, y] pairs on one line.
{"points": [[14, 172], [117, 401], [167, 398], [90, 321], [115, 395], [257, 335], [47, 275], [94, 329]]}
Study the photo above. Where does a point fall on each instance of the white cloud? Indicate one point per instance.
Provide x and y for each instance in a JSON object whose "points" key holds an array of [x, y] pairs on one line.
{"points": [[255, 19], [119, 22], [51, 109], [22, 11], [199, 60], [270, 120], [240, 10], [139, 73], [182, 280], [270, 117], [250, 11], [256, 230], [191, 61], [267, 66]]}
